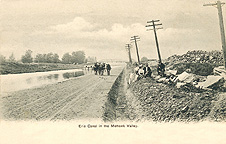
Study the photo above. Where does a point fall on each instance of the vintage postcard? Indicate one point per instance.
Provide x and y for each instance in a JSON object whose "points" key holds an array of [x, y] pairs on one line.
{"points": [[112, 71]]}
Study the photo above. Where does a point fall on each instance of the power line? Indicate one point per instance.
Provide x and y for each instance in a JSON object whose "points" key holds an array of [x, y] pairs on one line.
{"points": [[218, 5], [135, 39], [153, 24], [128, 47]]}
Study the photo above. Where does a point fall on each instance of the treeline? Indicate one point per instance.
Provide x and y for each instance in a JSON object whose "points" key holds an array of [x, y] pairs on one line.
{"points": [[77, 57], [47, 58]]}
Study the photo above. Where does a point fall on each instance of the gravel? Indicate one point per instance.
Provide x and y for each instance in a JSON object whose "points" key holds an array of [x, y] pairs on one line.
{"points": [[162, 102]]}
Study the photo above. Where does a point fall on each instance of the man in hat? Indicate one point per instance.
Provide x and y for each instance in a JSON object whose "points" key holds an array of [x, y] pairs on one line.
{"points": [[140, 72], [108, 67], [161, 69], [147, 71]]}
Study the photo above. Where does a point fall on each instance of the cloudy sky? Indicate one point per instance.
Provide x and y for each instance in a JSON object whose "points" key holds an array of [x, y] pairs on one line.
{"points": [[101, 28]]}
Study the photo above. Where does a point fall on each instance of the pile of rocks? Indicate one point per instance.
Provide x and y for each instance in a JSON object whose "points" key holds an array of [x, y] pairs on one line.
{"points": [[189, 81], [197, 56], [161, 102]]}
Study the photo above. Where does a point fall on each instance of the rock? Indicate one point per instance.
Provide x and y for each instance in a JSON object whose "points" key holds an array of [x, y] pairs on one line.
{"points": [[161, 102], [220, 71], [178, 85], [176, 96], [185, 109], [157, 77], [171, 72], [161, 80], [213, 57], [211, 81], [186, 77]]}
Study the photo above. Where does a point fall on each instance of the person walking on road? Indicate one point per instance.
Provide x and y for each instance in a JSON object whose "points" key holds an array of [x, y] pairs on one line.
{"points": [[91, 69], [108, 68]]}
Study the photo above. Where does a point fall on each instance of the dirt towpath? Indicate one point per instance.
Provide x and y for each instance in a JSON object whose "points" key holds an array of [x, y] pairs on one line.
{"points": [[79, 98]]}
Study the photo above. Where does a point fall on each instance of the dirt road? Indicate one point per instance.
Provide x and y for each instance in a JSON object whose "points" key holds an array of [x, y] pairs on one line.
{"points": [[79, 98]]}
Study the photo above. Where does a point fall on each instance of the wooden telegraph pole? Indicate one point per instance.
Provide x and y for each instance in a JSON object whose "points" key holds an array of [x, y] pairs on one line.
{"points": [[153, 24], [128, 47], [219, 4], [135, 39]]}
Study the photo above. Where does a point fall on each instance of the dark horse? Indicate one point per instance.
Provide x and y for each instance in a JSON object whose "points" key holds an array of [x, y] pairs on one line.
{"points": [[101, 69], [108, 68], [96, 68]]}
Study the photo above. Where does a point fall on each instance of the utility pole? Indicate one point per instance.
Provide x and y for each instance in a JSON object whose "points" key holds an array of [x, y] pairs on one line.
{"points": [[219, 4], [154, 24], [128, 47], [135, 39]]}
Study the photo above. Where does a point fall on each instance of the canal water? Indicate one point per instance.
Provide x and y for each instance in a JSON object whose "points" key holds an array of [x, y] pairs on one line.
{"points": [[15, 82]]}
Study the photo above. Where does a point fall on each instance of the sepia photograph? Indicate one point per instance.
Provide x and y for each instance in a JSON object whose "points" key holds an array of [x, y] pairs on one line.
{"points": [[112, 71]]}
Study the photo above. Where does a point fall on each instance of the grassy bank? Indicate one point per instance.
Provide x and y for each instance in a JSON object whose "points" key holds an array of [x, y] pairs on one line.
{"points": [[16, 68]]}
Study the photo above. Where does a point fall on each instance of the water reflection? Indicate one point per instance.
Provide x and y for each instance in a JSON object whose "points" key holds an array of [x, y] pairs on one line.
{"points": [[56, 76], [68, 75], [14, 82]]}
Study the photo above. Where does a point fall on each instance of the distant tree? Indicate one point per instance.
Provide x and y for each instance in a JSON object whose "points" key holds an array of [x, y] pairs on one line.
{"points": [[81, 56], [2, 59], [38, 58], [78, 57], [144, 59], [27, 58], [86, 60], [66, 59], [49, 58], [44, 57], [73, 58], [12, 58], [56, 58]]}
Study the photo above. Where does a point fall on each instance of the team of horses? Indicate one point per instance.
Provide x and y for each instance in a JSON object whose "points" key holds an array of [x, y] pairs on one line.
{"points": [[99, 68]]}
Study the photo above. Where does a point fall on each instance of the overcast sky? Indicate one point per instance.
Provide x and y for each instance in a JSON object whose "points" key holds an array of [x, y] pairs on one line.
{"points": [[101, 28]]}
